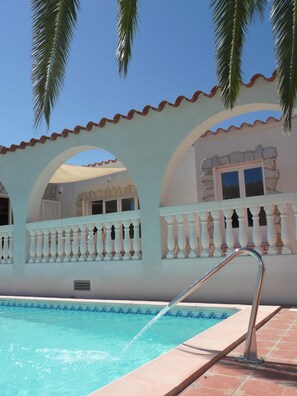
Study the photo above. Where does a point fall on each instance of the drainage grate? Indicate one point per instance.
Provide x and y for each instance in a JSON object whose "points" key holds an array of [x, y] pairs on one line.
{"points": [[82, 285]]}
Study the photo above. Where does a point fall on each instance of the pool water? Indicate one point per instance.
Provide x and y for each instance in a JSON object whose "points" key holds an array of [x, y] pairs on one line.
{"points": [[69, 352]]}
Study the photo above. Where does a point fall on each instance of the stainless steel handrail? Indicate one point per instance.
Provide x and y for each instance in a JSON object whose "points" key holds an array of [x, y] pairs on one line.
{"points": [[250, 350]]}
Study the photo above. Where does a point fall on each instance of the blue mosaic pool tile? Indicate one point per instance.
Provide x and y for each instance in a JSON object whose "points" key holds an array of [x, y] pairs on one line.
{"points": [[144, 310]]}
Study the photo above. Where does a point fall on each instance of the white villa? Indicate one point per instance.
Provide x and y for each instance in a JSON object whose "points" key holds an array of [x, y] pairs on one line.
{"points": [[148, 224]]}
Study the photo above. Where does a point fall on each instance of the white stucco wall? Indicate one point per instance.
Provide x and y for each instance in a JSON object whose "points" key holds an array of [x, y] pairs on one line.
{"points": [[248, 138]]}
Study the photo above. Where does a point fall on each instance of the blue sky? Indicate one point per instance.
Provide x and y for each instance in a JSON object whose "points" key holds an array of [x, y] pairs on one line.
{"points": [[173, 54]]}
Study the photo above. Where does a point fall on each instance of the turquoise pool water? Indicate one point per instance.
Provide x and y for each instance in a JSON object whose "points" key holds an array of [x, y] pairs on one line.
{"points": [[74, 349]]}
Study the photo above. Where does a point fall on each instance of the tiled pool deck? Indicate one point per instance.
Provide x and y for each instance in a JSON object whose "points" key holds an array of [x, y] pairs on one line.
{"points": [[277, 343]]}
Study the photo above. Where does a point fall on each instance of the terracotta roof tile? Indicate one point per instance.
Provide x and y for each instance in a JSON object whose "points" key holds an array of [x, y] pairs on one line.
{"points": [[129, 116]]}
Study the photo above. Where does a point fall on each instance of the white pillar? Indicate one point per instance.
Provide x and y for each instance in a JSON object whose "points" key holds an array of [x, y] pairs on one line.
{"points": [[53, 248], [99, 242], [136, 241], [283, 208], [91, 242], [204, 234], [192, 235], [45, 246], [67, 247], [230, 240], [217, 237], [39, 246], [10, 248], [83, 243], [181, 236], [74, 243], [117, 240], [257, 235], [170, 237], [108, 246], [32, 246], [127, 242], [60, 248], [271, 232], [243, 236], [5, 248]]}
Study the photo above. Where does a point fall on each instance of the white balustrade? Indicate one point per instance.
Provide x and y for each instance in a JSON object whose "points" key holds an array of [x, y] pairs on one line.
{"points": [[225, 225], [90, 238]]}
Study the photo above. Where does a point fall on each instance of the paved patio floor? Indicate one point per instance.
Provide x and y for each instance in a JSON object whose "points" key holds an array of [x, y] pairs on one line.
{"points": [[277, 376]]}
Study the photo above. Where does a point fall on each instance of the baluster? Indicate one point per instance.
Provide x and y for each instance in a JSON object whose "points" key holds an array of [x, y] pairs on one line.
{"points": [[204, 234], [32, 246], [257, 235], [74, 243], [230, 240], [217, 236], [67, 247], [170, 237], [117, 240], [5, 248], [53, 245], [39, 246], [60, 248], [192, 235], [243, 235], [181, 236], [83, 243], [45, 246], [108, 245], [271, 232], [283, 208], [91, 242], [99, 243], [127, 242], [10, 248], [136, 244]]}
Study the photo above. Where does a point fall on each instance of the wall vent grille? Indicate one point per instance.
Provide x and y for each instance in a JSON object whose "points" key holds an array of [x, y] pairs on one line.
{"points": [[82, 285]]}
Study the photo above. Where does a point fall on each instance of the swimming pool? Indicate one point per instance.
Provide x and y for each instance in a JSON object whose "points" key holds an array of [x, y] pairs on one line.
{"points": [[74, 348]]}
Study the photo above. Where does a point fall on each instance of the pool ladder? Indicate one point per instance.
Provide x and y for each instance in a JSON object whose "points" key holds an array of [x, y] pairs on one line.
{"points": [[250, 350]]}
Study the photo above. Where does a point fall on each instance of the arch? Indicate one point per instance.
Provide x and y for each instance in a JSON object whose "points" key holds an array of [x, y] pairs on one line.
{"points": [[41, 182], [190, 138]]}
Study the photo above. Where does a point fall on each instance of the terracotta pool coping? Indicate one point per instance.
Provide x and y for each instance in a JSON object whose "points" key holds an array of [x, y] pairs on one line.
{"points": [[175, 370]]}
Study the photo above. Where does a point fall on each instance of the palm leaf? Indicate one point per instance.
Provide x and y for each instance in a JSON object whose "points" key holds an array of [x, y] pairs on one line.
{"points": [[53, 25], [127, 21], [231, 21], [284, 25]]}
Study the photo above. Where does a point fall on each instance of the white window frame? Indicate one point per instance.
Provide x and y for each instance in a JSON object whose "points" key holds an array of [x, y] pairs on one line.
{"points": [[240, 168], [88, 205]]}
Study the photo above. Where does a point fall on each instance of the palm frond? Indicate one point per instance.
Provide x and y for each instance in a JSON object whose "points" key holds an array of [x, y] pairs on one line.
{"points": [[231, 21], [127, 20], [53, 25], [284, 25]]}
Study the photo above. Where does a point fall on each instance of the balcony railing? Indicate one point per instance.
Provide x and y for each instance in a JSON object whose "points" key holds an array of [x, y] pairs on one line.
{"points": [[113, 236], [208, 228], [6, 244]]}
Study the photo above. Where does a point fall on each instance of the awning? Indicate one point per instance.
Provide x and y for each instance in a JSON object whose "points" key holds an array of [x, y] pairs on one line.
{"points": [[72, 173]]}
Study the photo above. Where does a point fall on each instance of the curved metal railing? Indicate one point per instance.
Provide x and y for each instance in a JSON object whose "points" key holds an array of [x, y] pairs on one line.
{"points": [[250, 350]]}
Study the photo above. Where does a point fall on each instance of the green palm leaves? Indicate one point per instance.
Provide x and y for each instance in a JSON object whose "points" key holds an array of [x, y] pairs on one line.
{"points": [[53, 24], [232, 18]]}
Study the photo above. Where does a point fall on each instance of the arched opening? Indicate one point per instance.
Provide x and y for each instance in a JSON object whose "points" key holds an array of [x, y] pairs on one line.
{"points": [[6, 227], [219, 180], [88, 211]]}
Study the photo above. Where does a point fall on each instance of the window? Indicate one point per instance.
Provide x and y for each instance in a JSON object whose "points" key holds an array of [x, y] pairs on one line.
{"points": [[111, 205], [246, 181]]}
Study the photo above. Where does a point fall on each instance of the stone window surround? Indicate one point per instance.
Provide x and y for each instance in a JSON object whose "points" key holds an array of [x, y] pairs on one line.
{"points": [[85, 198], [267, 155]]}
